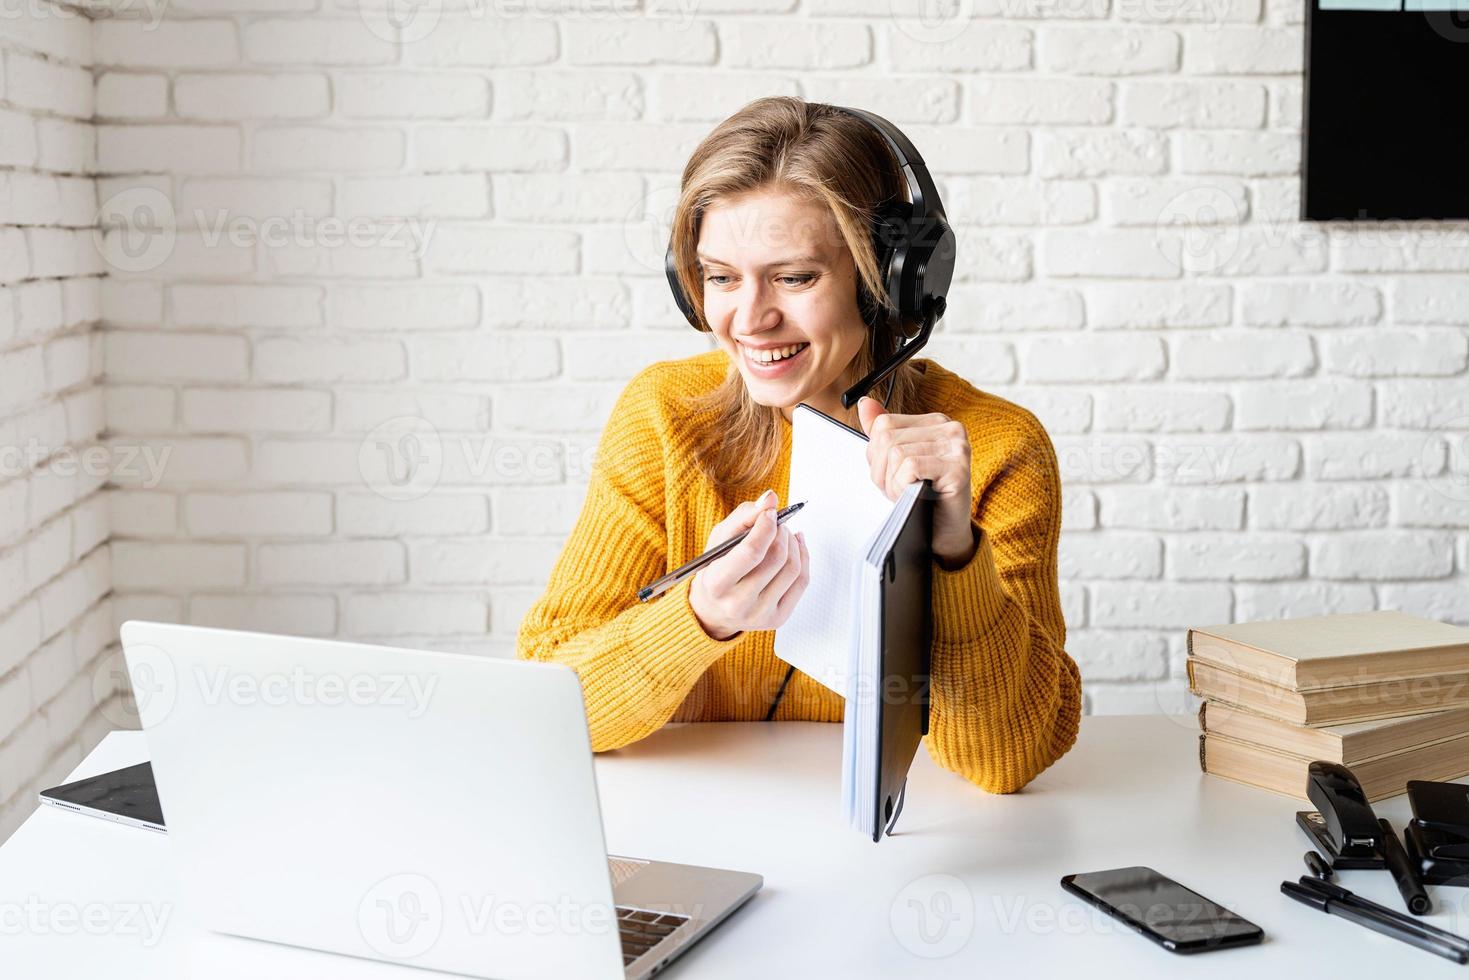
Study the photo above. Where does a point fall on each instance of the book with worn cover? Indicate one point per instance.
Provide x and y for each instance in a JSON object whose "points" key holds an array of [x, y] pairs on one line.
{"points": [[1344, 744], [1285, 772], [1341, 650], [1332, 705]]}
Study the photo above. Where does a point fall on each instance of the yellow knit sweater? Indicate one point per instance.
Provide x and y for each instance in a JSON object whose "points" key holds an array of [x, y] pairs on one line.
{"points": [[1005, 696]]}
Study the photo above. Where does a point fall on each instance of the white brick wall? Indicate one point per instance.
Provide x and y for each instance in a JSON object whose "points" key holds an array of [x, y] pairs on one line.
{"points": [[56, 620], [462, 225]]}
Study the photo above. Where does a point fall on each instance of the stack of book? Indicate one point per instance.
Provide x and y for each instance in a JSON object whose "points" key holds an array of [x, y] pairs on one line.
{"points": [[1385, 694]]}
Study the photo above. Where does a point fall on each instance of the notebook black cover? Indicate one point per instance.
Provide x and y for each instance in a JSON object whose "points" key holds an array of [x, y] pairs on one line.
{"points": [[907, 639]]}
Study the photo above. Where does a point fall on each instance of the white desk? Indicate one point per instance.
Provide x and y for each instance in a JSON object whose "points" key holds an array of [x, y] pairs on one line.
{"points": [[764, 798]]}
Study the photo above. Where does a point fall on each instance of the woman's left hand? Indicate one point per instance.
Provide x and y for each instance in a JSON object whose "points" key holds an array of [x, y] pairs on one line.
{"points": [[903, 449]]}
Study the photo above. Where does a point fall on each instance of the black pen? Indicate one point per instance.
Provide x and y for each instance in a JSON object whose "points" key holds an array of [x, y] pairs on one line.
{"points": [[1404, 873], [1337, 893], [1374, 920], [684, 571]]}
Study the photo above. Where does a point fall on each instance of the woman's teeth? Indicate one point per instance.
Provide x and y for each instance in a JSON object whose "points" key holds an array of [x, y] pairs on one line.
{"points": [[779, 353]]}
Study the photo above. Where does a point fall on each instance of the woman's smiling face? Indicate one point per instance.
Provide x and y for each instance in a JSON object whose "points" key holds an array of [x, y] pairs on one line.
{"points": [[778, 275]]}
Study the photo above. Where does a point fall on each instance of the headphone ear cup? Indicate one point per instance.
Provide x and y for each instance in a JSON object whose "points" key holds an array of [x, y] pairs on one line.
{"points": [[889, 229], [871, 310], [938, 267], [670, 269]]}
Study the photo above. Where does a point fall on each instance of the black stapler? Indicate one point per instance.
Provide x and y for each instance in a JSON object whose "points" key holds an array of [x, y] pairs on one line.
{"points": [[1350, 836], [1343, 826]]}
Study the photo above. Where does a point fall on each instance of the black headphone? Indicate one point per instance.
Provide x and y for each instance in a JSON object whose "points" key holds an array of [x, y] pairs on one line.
{"points": [[915, 250]]}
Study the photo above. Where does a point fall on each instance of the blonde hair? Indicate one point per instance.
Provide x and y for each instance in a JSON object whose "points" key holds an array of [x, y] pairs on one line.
{"points": [[821, 154]]}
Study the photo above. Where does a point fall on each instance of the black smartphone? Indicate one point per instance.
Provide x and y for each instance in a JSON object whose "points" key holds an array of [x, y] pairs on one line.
{"points": [[1177, 918]]}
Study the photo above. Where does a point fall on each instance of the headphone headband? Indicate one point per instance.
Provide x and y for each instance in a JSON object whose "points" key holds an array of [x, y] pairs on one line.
{"points": [[921, 191]]}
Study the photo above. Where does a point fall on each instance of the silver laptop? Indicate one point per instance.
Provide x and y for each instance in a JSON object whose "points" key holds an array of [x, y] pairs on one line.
{"points": [[431, 809]]}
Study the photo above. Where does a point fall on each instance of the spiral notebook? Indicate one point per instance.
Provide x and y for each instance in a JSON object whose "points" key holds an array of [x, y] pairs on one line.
{"points": [[844, 509], [864, 625]]}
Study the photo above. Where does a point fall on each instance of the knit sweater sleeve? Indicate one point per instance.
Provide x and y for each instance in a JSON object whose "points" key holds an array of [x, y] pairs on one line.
{"points": [[1006, 697], [636, 660]]}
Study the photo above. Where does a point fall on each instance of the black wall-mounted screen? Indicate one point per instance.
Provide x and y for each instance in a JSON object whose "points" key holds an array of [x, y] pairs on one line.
{"points": [[1387, 110]]}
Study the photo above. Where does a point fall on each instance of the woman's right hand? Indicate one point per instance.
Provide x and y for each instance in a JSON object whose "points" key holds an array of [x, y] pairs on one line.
{"points": [[756, 584]]}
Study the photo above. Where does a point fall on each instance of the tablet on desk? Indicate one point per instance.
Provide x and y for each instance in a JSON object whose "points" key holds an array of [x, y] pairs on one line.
{"points": [[125, 796]]}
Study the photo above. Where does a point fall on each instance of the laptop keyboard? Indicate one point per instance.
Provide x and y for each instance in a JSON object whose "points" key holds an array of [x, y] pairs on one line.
{"points": [[641, 930]]}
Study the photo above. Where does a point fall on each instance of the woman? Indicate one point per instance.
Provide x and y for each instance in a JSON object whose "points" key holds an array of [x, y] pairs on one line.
{"points": [[773, 249]]}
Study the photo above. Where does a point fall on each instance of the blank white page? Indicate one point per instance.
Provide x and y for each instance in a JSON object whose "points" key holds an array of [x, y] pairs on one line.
{"points": [[844, 509]]}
